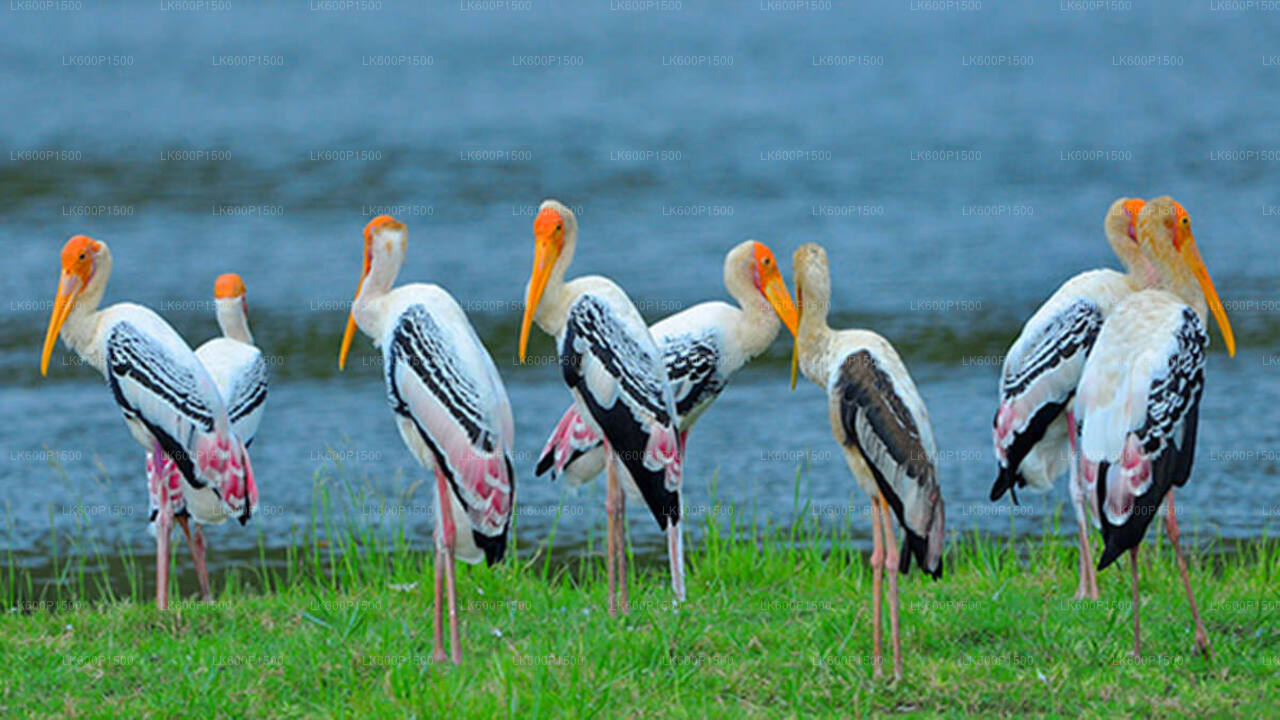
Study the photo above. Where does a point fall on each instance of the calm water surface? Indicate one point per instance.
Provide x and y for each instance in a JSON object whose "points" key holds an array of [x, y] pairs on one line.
{"points": [[954, 191]]}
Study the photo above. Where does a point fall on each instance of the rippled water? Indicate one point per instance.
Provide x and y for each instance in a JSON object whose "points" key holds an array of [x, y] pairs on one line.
{"points": [[954, 190]]}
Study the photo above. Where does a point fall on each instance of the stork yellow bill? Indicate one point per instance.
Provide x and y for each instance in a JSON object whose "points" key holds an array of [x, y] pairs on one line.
{"points": [[1185, 243], [548, 238]]}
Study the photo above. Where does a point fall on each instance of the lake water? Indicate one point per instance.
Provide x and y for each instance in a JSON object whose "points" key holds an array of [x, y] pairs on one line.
{"points": [[956, 163]]}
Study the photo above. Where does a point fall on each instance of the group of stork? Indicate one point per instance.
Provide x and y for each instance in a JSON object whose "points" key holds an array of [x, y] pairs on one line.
{"points": [[1103, 385]]}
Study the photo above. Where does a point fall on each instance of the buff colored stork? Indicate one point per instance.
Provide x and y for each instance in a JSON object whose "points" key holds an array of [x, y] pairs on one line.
{"points": [[618, 380], [450, 407], [881, 423], [1034, 428], [196, 465], [703, 347], [1139, 397]]}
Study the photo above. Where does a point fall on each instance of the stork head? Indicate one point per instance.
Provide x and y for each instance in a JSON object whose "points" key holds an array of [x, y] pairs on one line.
{"points": [[228, 287], [1121, 228], [385, 239], [813, 292], [81, 260], [554, 231], [750, 267], [1164, 233]]}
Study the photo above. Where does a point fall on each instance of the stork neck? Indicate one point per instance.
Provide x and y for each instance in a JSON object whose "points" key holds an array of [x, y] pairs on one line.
{"points": [[374, 287], [1182, 283], [82, 322], [815, 338], [232, 319], [758, 324]]}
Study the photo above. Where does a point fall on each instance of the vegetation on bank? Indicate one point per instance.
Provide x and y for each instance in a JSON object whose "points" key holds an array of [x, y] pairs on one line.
{"points": [[777, 625]]}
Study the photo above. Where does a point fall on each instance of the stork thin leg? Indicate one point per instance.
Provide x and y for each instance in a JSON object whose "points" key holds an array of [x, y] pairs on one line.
{"points": [[610, 511], [1088, 585], [450, 536], [620, 504], [455, 644], [158, 487], [891, 570], [437, 654], [877, 575], [195, 540], [1171, 527], [1137, 633], [675, 555], [164, 525]]}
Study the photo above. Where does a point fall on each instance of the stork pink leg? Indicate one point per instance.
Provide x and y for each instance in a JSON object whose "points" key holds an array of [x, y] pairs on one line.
{"points": [[1137, 633], [624, 597], [438, 653], [610, 510], [450, 536], [158, 486], [891, 570], [1087, 587], [675, 555], [1171, 526], [877, 579], [195, 540]]}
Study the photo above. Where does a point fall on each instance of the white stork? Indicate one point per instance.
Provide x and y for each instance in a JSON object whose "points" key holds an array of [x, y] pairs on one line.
{"points": [[450, 406], [883, 427], [702, 347], [240, 373], [1139, 397], [196, 465], [1033, 432], [615, 373]]}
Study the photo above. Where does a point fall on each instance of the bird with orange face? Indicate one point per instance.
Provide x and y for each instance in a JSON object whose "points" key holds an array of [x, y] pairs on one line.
{"points": [[197, 467], [239, 371], [619, 383], [1139, 397], [1034, 433], [450, 406], [703, 347]]}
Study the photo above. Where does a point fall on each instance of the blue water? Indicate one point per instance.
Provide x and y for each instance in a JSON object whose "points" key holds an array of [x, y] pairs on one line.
{"points": [[956, 164]]}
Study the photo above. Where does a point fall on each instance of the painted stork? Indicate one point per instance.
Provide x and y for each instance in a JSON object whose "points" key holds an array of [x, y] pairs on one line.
{"points": [[450, 406], [1139, 397], [702, 347], [237, 366], [196, 465], [1033, 431], [239, 372], [616, 375], [883, 428]]}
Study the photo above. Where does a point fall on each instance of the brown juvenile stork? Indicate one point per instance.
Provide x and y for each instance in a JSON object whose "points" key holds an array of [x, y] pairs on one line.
{"points": [[883, 428]]}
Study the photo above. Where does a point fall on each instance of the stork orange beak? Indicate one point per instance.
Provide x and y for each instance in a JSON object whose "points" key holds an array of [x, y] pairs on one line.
{"points": [[349, 334], [545, 253], [69, 288], [795, 346], [1191, 256]]}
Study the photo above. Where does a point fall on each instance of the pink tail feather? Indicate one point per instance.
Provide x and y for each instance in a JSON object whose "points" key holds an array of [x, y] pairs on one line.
{"points": [[571, 436]]}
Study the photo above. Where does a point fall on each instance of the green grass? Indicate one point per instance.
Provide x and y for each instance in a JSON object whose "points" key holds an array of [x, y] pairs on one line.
{"points": [[777, 625]]}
